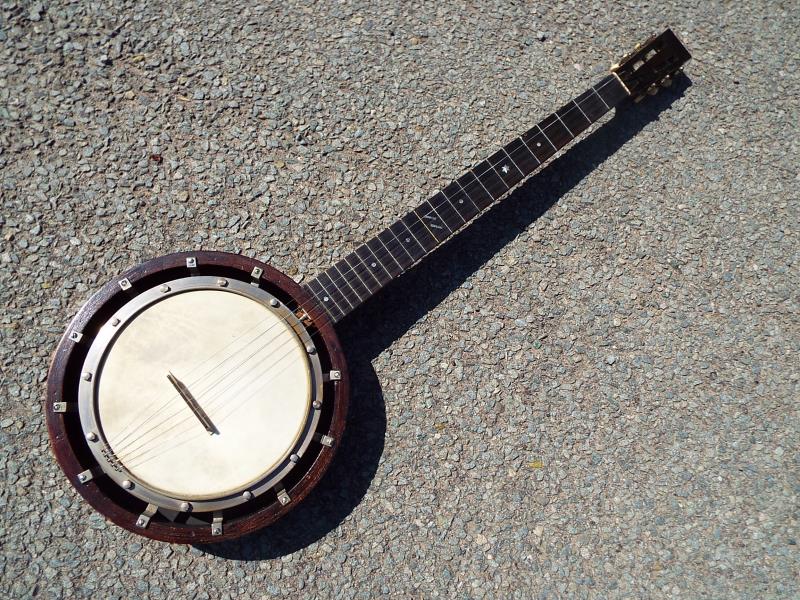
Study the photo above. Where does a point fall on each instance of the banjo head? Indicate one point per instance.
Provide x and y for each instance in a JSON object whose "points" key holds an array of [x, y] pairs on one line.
{"points": [[198, 397]]}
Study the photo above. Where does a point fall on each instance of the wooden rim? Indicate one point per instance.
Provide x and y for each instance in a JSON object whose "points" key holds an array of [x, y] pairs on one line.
{"points": [[66, 436]]}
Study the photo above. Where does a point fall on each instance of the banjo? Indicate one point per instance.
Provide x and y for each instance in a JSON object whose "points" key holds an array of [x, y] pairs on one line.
{"points": [[201, 395]]}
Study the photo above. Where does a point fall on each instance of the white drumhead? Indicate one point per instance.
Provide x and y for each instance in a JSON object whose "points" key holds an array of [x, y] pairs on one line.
{"points": [[246, 368]]}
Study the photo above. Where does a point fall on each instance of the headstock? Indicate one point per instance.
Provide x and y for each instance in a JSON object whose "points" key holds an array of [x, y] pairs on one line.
{"points": [[651, 64]]}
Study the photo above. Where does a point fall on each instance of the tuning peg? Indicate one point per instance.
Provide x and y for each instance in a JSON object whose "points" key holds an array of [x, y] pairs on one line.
{"points": [[667, 81], [653, 90]]}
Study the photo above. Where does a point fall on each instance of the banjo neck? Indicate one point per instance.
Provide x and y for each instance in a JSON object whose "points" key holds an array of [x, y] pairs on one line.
{"points": [[344, 286]]}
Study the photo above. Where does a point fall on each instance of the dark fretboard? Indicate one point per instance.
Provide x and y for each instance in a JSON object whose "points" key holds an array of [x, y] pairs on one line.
{"points": [[362, 273]]}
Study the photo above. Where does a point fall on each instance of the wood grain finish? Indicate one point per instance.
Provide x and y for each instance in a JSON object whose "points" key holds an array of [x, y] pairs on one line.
{"points": [[121, 508]]}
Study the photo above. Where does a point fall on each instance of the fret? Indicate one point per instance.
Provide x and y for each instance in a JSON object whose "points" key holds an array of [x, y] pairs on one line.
{"points": [[475, 190], [519, 152], [557, 116], [459, 199], [612, 92], [513, 162], [573, 119], [358, 277], [577, 105], [411, 244], [441, 220], [549, 141], [344, 286], [591, 105], [374, 265], [490, 180], [363, 272], [556, 133], [397, 248], [385, 256], [594, 89], [324, 300], [334, 292], [505, 168], [445, 207], [420, 231], [538, 143], [529, 149]]}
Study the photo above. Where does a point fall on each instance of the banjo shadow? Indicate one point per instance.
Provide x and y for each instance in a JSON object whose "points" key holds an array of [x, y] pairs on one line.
{"points": [[424, 287]]}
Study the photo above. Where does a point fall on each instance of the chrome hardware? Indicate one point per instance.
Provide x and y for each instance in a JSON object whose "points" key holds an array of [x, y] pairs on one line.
{"points": [[325, 440], [216, 525], [144, 518], [332, 376], [283, 497]]}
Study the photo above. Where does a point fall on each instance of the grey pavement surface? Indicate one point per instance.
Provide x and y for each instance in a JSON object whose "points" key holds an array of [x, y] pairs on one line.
{"points": [[592, 392]]}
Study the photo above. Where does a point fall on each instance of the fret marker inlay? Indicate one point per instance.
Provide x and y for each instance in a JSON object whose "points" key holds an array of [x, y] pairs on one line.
{"points": [[433, 221]]}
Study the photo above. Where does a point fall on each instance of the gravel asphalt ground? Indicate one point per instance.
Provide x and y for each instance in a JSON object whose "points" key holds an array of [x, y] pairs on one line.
{"points": [[589, 393]]}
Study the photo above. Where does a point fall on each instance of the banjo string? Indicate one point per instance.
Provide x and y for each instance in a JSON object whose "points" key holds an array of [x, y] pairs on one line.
{"points": [[126, 432], [137, 460], [324, 315], [124, 448]]}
